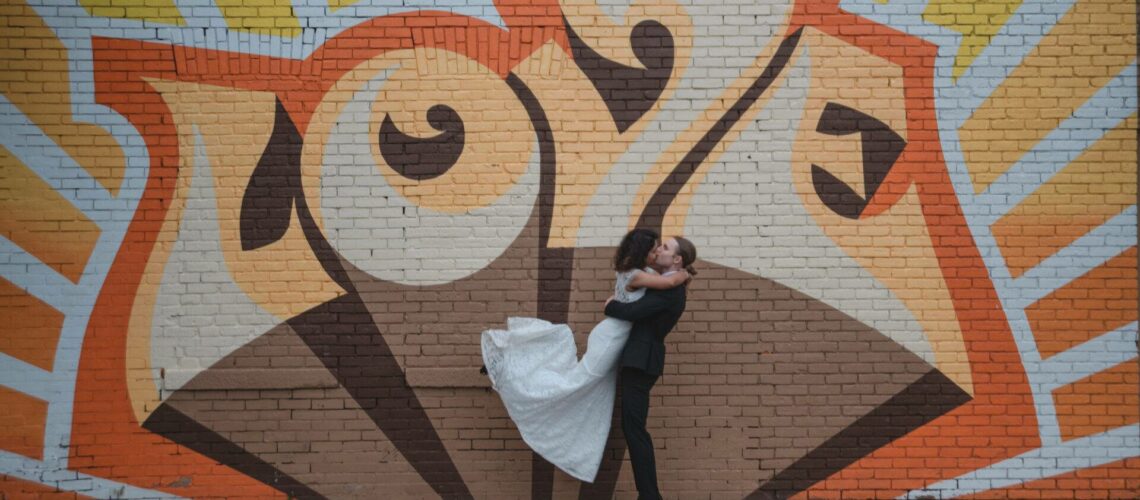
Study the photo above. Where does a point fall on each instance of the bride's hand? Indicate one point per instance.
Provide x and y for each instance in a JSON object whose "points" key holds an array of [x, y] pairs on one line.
{"points": [[611, 299]]}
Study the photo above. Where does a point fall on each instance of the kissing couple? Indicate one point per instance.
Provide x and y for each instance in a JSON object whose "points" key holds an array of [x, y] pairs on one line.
{"points": [[563, 405]]}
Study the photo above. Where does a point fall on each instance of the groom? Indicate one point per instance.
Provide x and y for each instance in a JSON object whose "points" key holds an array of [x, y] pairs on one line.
{"points": [[643, 358]]}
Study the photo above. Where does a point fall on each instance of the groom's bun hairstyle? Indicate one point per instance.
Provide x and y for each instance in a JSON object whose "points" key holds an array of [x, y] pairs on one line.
{"points": [[688, 253], [634, 249]]}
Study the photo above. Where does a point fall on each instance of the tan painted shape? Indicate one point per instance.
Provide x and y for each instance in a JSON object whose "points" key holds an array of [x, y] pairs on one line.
{"points": [[1095, 187], [894, 246], [30, 330], [674, 221], [141, 384], [284, 278], [588, 143], [1091, 44], [42, 222], [499, 140], [36, 80], [587, 139], [612, 39]]}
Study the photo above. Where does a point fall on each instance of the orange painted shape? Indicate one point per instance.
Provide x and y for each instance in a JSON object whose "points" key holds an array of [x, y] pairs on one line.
{"points": [[1120, 479], [1095, 187], [22, 423], [12, 488], [43, 223], [1000, 421], [1100, 402], [106, 439], [1100, 301], [30, 330]]}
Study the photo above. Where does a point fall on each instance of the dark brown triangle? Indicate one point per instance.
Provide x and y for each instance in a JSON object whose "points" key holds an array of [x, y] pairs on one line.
{"points": [[924, 400]]}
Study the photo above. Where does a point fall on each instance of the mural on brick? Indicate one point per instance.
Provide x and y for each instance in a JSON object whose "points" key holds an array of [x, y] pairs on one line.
{"points": [[249, 247]]}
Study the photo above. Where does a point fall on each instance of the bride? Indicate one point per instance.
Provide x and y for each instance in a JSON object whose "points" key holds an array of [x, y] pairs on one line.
{"points": [[563, 405]]}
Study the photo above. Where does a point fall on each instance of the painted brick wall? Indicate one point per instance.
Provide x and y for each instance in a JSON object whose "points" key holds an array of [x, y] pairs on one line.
{"points": [[249, 246]]}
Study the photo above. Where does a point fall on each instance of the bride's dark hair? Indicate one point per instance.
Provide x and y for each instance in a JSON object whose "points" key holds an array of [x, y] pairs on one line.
{"points": [[633, 252]]}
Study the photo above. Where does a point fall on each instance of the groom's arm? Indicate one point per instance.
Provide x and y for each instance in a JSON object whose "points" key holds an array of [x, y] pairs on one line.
{"points": [[652, 303]]}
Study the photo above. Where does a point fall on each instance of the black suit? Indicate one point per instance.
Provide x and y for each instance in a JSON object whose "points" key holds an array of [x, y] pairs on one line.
{"points": [[642, 361]]}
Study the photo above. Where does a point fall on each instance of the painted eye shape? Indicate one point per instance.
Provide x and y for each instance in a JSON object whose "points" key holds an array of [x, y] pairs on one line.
{"points": [[421, 175]]}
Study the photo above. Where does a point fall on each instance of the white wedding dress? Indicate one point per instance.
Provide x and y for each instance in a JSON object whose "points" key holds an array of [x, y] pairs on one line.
{"points": [[561, 405]]}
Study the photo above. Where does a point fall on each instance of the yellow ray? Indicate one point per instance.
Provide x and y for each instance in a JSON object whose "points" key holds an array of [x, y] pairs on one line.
{"points": [[1092, 44], [977, 20], [157, 11]]}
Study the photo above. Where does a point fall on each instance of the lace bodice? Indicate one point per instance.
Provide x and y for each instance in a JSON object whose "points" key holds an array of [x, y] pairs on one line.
{"points": [[622, 280]]}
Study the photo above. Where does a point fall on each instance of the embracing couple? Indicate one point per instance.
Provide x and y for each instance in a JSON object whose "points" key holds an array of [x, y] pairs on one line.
{"points": [[562, 405]]}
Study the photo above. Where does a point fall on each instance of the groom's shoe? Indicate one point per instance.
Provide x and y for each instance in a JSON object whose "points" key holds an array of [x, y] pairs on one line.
{"points": [[483, 370]]}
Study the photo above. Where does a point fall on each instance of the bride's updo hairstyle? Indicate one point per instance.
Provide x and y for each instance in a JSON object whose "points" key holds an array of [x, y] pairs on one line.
{"points": [[688, 253], [633, 252]]}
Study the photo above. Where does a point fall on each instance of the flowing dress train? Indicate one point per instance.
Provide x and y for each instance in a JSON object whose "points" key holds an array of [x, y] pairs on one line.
{"points": [[562, 405]]}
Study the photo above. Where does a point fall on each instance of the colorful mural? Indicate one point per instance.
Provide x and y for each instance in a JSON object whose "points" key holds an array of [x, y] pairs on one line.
{"points": [[249, 247]]}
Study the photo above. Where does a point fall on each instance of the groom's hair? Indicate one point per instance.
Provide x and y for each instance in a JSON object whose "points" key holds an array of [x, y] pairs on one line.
{"points": [[688, 253], [634, 249]]}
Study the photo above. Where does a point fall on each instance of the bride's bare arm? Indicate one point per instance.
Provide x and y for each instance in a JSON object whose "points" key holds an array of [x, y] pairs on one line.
{"points": [[656, 281]]}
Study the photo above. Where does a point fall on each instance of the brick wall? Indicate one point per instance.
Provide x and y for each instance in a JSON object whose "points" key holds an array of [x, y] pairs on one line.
{"points": [[249, 247]]}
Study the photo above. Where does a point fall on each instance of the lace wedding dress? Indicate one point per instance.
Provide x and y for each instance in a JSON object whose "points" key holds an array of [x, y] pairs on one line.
{"points": [[561, 405]]}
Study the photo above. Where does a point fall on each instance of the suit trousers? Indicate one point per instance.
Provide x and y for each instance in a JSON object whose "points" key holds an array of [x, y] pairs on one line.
{"points": [[635, 387]]}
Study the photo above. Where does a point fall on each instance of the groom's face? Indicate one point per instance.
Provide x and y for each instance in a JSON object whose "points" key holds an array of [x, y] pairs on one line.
{"points": [[665, 255]]}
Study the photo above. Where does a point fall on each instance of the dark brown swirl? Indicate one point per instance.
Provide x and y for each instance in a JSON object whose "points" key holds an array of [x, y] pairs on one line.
{"points": [[424, 158], [628, 92]]}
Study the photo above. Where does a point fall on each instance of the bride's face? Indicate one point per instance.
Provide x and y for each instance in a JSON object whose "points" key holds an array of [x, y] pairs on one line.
{"points": [[651, 259]]}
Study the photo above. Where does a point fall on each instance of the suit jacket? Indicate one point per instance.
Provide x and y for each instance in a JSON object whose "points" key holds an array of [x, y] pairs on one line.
{"points": [[653, 317]]}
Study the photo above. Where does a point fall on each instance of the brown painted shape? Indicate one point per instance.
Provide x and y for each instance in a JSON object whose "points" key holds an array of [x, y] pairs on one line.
{"points": [[440, 326], [180, 428], [30, 330], [423, 158], [300, 430], [267, 202], [290, 425], [927, 398], [756, 377], [22, 423], [629, 92]]}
